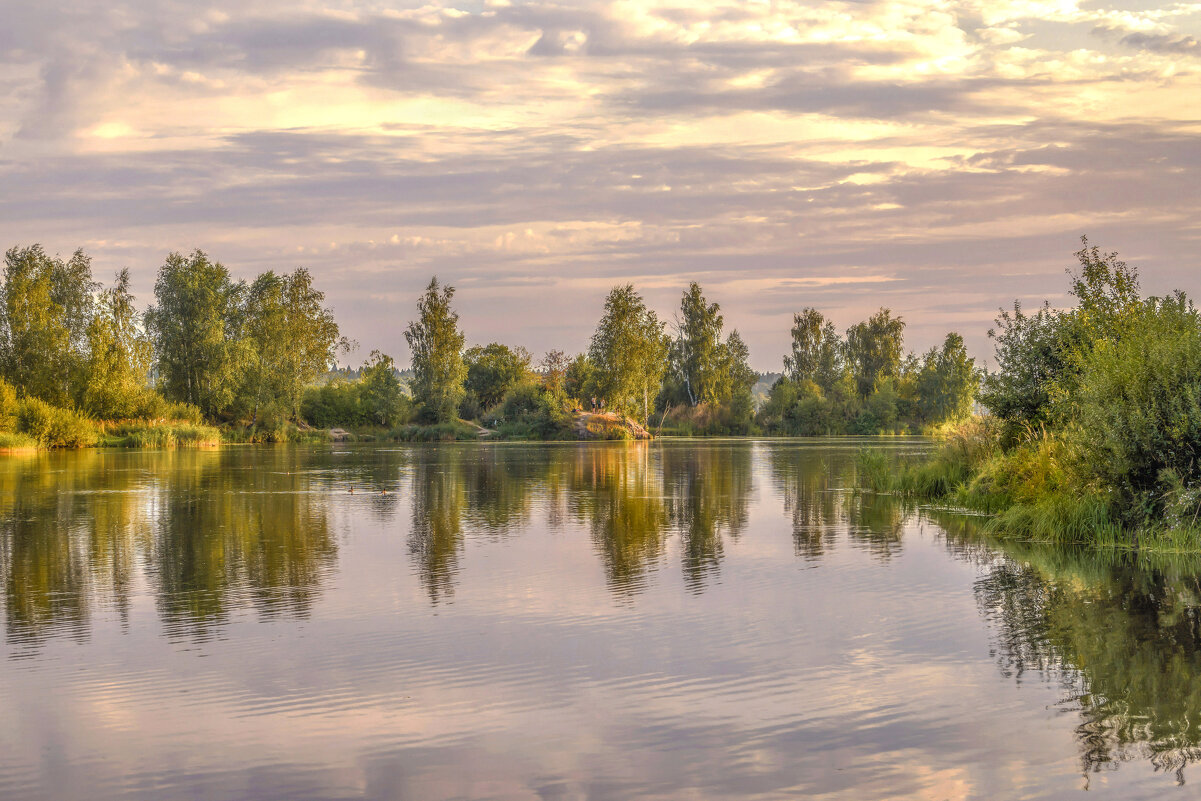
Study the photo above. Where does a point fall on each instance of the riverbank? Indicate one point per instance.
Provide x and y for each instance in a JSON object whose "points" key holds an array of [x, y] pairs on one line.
{"points": [[1035, 490]]}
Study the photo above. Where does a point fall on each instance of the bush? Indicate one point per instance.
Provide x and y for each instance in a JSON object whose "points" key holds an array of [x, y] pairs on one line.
{"points": [[336, 403], [154, 406], [54, 427], [437, 432], [530, 412], [1138, 402]]}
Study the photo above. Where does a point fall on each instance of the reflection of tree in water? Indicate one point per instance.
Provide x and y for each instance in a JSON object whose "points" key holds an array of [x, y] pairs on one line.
{"points": [[500, 481], [58, 545], [810, 483], [233, 527], [438, 500], [213, 529], [876, 522], [707, 490], [1123, 636], [617, 490]]}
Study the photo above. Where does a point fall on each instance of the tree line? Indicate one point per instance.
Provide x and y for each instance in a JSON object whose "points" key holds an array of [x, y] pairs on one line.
{"points": [[691, 376], [208, 348], [258, 354]]}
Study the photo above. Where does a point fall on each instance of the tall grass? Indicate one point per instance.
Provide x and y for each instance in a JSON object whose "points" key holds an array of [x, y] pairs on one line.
{"points": [[161, 434], [436, 432]]}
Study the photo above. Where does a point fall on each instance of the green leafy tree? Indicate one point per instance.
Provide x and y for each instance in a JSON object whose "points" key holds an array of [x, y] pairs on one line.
{"points": [[290, 338], [697, 354], [494, 369], [947, 381], [120, 355], [629, 350], [874, 350], [381, 394], [740, 378], [196, 323], [554, 371], [46, 307], [580, 377], [1040, 356], [437, 346], [817, 350]]}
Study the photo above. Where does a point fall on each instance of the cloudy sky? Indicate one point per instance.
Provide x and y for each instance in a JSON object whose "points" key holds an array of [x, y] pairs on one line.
{"points": [[937, 158]]}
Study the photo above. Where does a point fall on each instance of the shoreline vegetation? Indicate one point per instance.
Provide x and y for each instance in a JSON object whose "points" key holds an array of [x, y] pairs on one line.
{"points": [[1094, 431], [1088, 430], [216, 360]]}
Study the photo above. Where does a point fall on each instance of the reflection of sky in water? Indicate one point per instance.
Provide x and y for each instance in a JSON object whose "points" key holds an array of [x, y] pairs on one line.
{"points": [[684, 620]]}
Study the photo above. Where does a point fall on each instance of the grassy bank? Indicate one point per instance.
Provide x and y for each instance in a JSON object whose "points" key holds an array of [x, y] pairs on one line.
{"points": [[1038, 489]]}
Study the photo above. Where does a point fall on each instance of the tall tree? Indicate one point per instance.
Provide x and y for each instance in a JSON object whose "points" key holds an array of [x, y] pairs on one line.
{"points": [[45, 313], [874, 349], [740, 378], [290, 337], [120, 355], [697, 353], [195, 324], [629, 351], [947, 382], [817, 351], [437, 346]]}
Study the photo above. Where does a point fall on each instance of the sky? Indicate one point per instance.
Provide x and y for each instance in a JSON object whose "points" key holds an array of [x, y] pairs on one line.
{"points": [[939, 158]]}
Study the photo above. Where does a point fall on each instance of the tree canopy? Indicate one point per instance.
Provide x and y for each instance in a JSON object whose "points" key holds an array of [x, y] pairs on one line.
{"points": [[436, 342], [629, 352]]}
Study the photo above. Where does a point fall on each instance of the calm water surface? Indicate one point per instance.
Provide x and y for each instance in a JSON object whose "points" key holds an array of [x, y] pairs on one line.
{"points": [[691, 620]]}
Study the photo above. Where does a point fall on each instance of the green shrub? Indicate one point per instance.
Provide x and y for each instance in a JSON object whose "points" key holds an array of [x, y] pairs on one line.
{"points": [[436, 432], [1138, 402], [54, 427]]}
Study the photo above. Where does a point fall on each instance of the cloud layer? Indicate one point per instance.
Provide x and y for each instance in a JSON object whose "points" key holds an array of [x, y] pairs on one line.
{"points": [[938, 158]]}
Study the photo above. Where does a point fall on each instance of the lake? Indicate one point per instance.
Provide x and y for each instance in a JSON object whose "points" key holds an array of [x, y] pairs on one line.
{"points": [[682, 619]]}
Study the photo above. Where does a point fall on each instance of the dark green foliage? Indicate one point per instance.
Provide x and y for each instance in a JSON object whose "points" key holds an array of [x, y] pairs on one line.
{"points": [[529, 411], [375, 399], [817, 352], [336, 403], [436, 432], [196, 324], [492, 370], [437, 346], [866, 385], [579, 377], [874, 349], [1031, 356], [382, 399], [707, 388], [1137, 404], [290, 339], [947, 382]]}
